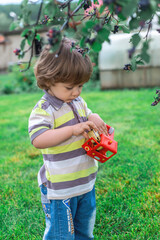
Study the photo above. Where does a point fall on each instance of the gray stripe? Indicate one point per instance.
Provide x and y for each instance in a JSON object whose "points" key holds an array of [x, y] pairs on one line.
{"points": [[38, 133], [45, 105], [42, 173], [64, 156], [69, 123], [70, 184], [37, 126], [76, 113]]}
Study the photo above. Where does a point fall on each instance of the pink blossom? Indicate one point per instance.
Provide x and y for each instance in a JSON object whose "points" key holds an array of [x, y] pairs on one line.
{"points": [[91, 8]]}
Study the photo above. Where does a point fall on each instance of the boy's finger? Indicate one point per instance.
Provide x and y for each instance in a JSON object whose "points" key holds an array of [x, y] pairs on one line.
{"points": [[92, 125], [105, 131], [87, 128], [85, 135]]}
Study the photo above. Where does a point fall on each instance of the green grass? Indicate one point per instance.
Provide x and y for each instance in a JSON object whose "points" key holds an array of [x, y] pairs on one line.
{"points": [[127, 187]]}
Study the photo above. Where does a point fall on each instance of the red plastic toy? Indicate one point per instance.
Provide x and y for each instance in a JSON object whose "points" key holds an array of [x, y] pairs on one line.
{"points": [[103, 149]]}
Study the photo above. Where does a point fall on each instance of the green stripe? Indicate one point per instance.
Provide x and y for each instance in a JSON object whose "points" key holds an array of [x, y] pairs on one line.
{"points": [[63, 119], [41, 112], [39, 109], [62, 149], [71, 176], [82, 112]]}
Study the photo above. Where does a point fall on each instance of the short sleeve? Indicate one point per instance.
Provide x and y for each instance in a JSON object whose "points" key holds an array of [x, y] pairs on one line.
{"points": [[40, 120]]}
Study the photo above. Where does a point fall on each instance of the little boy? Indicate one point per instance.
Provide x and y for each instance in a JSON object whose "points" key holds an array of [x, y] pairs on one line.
{"points": [[58, 126]]}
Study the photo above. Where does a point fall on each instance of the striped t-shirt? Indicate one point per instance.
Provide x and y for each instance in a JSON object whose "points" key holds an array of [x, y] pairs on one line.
{"points": [[67, 170]]}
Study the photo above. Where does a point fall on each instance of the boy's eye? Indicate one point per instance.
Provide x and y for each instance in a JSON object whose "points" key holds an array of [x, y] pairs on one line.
{"points": [[69, 88]]}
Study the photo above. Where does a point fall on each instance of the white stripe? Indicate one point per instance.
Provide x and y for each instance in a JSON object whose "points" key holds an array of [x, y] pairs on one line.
{"points": [[70, 192], [64, 109], [69, 162], [70, 166], [39, 179], [36, 119]]}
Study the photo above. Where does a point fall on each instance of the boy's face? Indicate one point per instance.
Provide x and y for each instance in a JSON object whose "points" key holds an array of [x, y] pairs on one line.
{"points": [[65, 91]]}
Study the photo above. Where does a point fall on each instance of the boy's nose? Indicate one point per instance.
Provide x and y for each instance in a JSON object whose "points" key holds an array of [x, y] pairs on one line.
{"points": [[76, 92]]}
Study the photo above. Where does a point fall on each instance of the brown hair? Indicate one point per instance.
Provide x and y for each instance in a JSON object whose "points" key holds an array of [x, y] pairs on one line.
{"points": [[63, 65]]}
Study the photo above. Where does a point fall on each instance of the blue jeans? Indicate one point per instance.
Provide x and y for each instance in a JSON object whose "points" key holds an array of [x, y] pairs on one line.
{"points": [[70, 219]]}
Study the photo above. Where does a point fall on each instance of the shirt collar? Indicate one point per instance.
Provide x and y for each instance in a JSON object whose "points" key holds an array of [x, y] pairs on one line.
{"points": [[54, 101]]}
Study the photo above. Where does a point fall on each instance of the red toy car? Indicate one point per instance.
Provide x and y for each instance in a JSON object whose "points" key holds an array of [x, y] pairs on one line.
{"points": [[103, 147]]}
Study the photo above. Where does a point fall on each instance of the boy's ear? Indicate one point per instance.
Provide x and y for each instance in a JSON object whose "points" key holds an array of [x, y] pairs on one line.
{"points": [[48, 84]]}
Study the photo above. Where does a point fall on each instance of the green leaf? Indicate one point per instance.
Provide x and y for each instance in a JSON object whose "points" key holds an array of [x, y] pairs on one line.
{"points": [[96, 46], [145, 14], [55, 47], [13, 26], [111, 7], [146, 57], [102, 7], [82, 42], [21, 55], [124, 28], [129, 8], [140, 62], [31, 37], [25, 32], [134, 23], [38, 37], [120, 16], [146, 45], [51, 9], [57, 44], [103, 34], [154, 5], [90, 24], [22, 45], [133, 63], [135, 39], [29, 42]]}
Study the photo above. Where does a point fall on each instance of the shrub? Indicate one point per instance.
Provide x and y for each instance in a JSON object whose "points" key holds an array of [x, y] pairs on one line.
{"points": [[17, 81], [7, 87], [25, 81]]}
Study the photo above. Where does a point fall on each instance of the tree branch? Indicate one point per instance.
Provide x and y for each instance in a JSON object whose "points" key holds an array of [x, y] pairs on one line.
{"points": [[70, 15], [33, 41]]}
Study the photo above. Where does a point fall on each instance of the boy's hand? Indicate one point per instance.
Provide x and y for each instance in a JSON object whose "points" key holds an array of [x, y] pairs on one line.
{"points": [[82, 128], [100, 124]]}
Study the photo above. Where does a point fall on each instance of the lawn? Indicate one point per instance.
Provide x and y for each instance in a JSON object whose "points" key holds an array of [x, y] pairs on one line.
{"points": [[127, 187]]}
